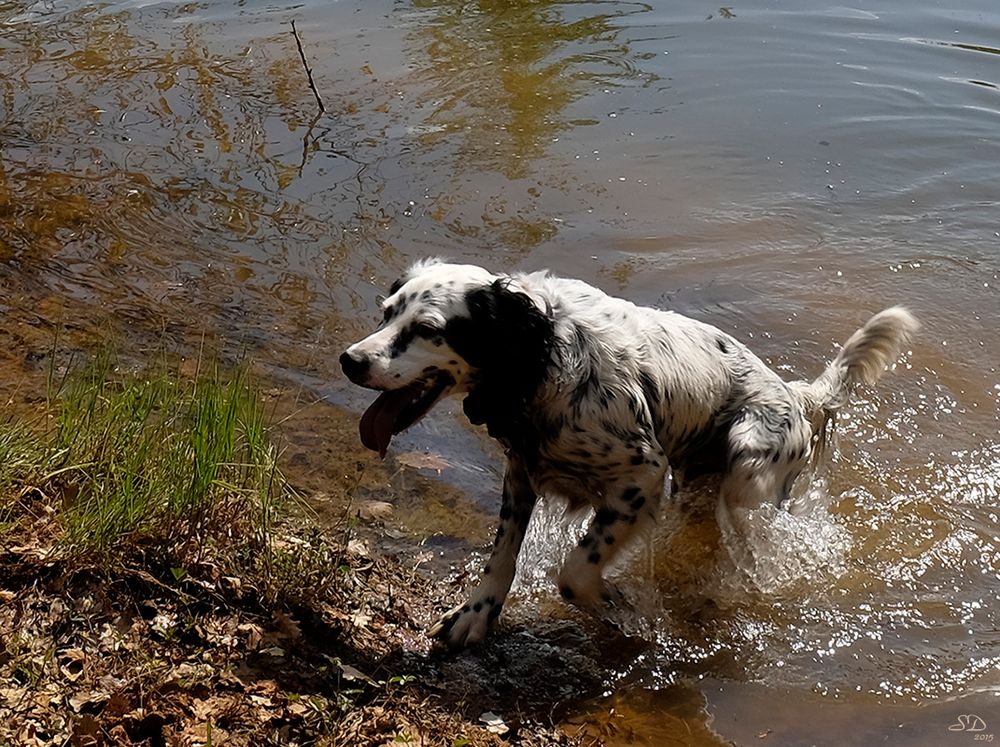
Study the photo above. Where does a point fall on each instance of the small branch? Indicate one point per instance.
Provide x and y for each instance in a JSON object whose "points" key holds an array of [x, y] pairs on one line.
{"points": [[309, 74]]}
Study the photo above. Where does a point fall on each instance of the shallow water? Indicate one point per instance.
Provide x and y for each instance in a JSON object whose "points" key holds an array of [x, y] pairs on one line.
{"points": [[781, 170]]}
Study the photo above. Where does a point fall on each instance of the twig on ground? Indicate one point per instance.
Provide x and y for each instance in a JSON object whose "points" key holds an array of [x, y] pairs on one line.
{"points": [[305, 64]]}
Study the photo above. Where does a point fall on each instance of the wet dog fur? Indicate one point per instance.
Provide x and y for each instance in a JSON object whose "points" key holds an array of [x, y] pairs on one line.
{"points": [[594, 399]]}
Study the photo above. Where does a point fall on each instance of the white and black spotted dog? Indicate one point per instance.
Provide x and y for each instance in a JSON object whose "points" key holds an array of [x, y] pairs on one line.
{"points": [[594, 398]]}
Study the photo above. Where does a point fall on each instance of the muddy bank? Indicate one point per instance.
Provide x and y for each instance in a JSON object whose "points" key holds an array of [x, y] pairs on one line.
{"points": [[94, 658]]}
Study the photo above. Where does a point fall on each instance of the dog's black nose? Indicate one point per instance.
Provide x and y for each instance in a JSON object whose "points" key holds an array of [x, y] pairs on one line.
{"points": [[354, 369]]}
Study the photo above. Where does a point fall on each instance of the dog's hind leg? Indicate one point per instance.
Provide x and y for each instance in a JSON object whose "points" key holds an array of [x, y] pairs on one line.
{"points": [[469, 623], [769, 446], [627, 508]]}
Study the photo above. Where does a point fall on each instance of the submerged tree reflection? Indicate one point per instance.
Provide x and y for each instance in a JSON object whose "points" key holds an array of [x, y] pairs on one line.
{"points": [[504, 73]]}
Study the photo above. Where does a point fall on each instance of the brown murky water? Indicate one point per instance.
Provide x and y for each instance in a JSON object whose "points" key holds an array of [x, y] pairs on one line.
{"points": [[778, 169]]}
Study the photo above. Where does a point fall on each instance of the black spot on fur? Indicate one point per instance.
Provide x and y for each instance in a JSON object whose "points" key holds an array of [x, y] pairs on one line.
{"points": [[587, 541], [630, 493], [477, 607], [634, 406], [494, 612], [594, 557], [566, 593], [606, 516], [396, 285], [589, 384], [402, 341], [648, 384], [705, 450]]}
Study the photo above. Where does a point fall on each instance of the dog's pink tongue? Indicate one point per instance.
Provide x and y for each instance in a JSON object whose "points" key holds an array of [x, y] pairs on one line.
{"points": [[379, 421]]}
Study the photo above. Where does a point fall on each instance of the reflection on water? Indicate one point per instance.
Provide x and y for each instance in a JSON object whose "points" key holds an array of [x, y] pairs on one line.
{"points": [[504, 73], [780, 170]]}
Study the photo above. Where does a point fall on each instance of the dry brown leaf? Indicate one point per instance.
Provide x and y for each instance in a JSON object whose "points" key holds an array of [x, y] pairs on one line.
{"points": [[81, 700], [358, 547], [269, 687], [86, 732], [12, 696], [71, 663], [253, 634], [494, 723], [262, 700], [298, 709]]}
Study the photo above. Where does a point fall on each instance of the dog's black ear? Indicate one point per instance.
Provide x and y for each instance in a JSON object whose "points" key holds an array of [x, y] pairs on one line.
{"points": [[509, 341]]}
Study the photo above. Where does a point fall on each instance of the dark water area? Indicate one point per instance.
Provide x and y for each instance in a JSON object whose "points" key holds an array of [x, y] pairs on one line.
{"points": [[781, 170]]}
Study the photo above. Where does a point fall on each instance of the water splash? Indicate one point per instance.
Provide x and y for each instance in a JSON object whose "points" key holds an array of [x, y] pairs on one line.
{"points": [[774, 550]]}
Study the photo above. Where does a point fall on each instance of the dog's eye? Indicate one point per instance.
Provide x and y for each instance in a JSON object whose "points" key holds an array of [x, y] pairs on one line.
{"points": [[425, 329]]}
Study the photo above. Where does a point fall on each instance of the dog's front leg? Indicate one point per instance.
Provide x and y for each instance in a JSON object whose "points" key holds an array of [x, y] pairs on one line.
{"points": [[627, 508], [468, 623]]}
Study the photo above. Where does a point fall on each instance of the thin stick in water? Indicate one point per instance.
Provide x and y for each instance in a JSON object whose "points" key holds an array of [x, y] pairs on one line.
{"points": [[309, 73]]}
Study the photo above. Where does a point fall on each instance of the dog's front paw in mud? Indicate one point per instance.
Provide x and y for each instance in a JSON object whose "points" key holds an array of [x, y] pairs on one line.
{"points": [[466, 624]]}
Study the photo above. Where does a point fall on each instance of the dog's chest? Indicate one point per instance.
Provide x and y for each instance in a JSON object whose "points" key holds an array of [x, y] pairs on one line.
{"points": [[581, 466]]}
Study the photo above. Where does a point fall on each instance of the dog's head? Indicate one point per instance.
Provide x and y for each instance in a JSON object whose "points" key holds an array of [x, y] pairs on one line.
{"points": [[450, 329]]}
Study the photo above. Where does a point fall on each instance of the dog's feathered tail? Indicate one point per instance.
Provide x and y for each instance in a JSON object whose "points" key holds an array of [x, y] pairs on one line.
{"points": [[863, 359]]}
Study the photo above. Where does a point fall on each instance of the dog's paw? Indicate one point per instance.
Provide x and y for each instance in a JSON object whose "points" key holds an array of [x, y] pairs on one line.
{"points": [[463, 626], [581, 584], [595, 596], [613, 597]]}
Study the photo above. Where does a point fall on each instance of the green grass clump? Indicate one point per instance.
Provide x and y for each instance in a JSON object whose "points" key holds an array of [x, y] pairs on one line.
{"points": [[146, 461], [22, 455]]}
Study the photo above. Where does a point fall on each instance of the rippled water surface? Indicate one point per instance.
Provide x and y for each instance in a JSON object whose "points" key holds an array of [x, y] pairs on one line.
{"points": [[779, 169]]}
